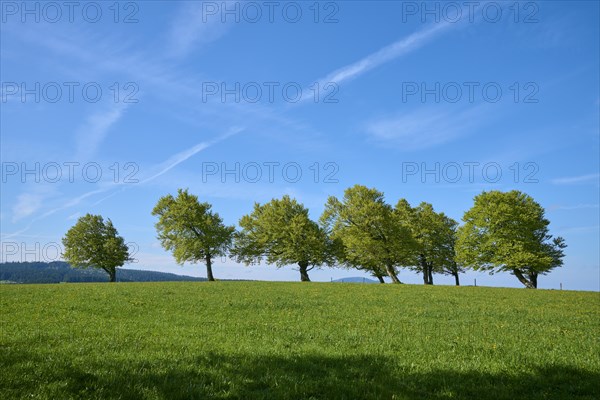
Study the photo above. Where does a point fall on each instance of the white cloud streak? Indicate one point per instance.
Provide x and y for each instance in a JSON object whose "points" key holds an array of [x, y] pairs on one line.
{"points": [[95, 129], [29, 203], [194, 26], [426, 127], [386, 54], [572, 180], [575, 207], [180, 157]]}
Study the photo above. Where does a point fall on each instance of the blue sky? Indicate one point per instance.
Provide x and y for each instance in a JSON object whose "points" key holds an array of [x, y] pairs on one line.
{"points": [[105, 109]]}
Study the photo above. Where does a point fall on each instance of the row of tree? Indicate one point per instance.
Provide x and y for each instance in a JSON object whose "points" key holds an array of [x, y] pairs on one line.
{"points": [[503, 231]]}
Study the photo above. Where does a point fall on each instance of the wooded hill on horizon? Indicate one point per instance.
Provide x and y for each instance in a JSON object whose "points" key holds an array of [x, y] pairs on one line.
{"points": [[60, 271]]}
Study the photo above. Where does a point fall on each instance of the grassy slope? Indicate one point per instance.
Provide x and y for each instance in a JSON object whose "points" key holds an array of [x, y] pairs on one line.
{"points": [[294, 340]]}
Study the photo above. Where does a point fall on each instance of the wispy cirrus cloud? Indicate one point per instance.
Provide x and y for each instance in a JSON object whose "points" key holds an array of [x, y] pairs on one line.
{"points": [[575, 207], [388, 53], [425, 127], [27, 204], [95, 129], [573, 180], [180, 157], [89, 138], [30, 202], [194, 26], [157, 72], [160, 169]]}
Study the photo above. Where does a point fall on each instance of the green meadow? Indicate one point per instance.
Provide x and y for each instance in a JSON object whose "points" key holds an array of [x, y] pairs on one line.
{"points": [[276, 340]]}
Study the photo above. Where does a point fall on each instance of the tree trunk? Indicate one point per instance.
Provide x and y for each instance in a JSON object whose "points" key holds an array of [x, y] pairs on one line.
{"points": [[380, 278], [392, 274], [423, 265], [112, 274], [430, 273], [456, 280], [304, 271], [533, 279], [209, 273], [522, 279]]}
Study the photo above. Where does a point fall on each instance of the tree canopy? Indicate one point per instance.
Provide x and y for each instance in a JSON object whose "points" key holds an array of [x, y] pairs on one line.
{"points": [[507, 231], [434, 234], [93, 242], [372, 235], [191, 230], [282, 232]]}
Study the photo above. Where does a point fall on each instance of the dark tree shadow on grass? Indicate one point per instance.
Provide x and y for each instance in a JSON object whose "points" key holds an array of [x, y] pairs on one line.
{"points": [[223, 376]]}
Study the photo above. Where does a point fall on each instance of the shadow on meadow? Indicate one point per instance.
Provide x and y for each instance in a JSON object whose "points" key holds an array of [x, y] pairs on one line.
{"points": [[275, 377]]}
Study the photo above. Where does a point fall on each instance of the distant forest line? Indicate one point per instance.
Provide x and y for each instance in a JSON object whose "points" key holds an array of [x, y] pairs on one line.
{"points": [[60, 271]]}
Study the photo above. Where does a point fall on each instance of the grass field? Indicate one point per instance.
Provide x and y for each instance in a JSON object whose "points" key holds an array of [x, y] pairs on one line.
{"points": [[296, 341]]}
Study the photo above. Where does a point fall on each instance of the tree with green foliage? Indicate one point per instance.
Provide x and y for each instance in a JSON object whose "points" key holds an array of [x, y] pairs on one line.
{"points": [[373, 237], [94, 243], [282, 232], [454, 269], [191, 230], [446, 260], [507, 231], [434, 234], [451, 266]]}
